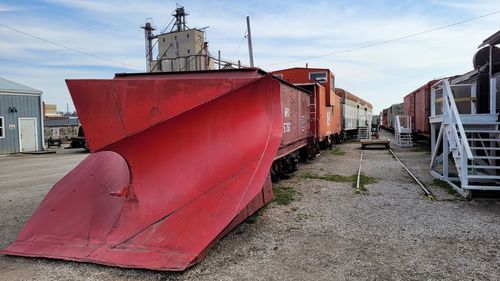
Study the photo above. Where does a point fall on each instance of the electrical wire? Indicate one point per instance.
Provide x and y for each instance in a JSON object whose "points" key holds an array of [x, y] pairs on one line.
{"points": [[239, 46], [387, 41], [70, 48]]}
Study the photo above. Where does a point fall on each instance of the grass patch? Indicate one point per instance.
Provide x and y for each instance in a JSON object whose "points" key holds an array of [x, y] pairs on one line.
{"points": [[339, 178], [337, 151], [364, 180], [309, 175], [283, 194], [445, 186]]}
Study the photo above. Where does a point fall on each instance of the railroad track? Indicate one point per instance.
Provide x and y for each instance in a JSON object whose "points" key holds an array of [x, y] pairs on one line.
{"points": [[427, 192]]}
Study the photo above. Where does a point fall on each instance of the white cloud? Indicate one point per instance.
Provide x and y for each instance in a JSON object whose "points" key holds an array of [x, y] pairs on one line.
{"points": [[282, 31]]}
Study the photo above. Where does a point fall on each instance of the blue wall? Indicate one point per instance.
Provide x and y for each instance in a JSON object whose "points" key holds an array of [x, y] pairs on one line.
{"points": [[27, 106]]}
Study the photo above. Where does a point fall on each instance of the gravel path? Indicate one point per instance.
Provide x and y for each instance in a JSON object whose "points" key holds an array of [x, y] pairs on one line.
{"points": [[328, 232]]}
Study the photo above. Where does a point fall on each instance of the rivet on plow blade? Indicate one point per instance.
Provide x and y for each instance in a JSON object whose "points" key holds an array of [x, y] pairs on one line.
{"points": [[193, 169], [122, 192]]}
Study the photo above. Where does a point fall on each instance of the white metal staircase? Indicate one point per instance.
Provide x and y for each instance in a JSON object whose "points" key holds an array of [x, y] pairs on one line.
{"points": [[364, 132], [402, 131], [472, 140]]}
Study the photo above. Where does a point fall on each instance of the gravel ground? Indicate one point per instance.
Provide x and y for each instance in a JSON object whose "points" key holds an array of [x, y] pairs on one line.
{"points": [[328, 232]]}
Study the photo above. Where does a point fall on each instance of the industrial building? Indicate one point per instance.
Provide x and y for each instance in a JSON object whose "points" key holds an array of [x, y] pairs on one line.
{"points": [[21, 122], [181, 49]]}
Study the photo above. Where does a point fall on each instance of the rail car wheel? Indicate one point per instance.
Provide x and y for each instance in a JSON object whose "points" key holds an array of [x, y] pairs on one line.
{"points": [[304, 155], [274, 174], [86, 146]]}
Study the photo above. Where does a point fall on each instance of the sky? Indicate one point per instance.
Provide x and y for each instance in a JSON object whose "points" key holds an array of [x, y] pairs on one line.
{"points": [[285, 34]]}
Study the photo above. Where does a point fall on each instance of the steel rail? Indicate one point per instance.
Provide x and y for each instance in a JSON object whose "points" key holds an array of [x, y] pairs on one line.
{"points": [[359, 170], [427, 192]]}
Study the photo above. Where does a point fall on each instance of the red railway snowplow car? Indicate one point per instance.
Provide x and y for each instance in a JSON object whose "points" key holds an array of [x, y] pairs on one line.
{"points": [[177, 161]]}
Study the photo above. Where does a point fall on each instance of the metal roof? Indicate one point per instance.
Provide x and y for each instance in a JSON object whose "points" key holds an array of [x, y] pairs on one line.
{"points": [[243, 69], [492, 40], [61, 121], [345, 94], [7, 86]]}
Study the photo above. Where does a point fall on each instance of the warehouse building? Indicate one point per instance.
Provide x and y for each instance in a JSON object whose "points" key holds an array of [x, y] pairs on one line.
{"points": [[21, 122]]}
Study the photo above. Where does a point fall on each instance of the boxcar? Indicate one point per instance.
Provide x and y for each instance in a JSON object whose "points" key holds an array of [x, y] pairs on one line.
{"points": [[385, 114], [393, 111], [416, 106]]}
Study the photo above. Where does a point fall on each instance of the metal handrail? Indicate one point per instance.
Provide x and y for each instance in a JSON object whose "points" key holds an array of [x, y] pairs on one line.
{"points": [[450, 102], [398, 123]]}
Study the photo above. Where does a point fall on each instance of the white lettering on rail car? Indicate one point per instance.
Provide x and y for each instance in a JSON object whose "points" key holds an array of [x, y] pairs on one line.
{"points": [[287, 112], [287, 127]]}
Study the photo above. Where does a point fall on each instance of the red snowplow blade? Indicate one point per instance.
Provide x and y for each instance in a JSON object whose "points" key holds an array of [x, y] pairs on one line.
{"points": [[175, 164]]}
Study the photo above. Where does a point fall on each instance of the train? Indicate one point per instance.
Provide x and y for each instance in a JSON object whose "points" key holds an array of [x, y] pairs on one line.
{"points": [[388, 115], [356, 113], [178, 160], [474, 86], [339, 114]]}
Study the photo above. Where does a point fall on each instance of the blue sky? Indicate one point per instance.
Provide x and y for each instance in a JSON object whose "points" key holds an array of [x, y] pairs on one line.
{"points": [[282, 31]]}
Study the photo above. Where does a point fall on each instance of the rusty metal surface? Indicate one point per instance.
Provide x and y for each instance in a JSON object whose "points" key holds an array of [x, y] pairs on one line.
{"points": [[296, 125], [417, 106], [385, 116], [175, 165]]}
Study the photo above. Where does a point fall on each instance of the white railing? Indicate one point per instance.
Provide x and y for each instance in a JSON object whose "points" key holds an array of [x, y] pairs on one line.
{"points": [[402, 130], [452, 130], [397, 129], [451, 117]]}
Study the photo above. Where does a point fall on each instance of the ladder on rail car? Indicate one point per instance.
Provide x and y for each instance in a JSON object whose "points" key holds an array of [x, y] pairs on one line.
{"points": [[364, 133], [402, 131], [472, 140]]}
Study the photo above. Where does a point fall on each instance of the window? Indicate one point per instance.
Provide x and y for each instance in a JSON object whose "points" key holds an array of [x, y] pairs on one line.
{"points": [[278, 75], [317, 76], [2, 128], [187, 35], [163, 39], [189, 51]]}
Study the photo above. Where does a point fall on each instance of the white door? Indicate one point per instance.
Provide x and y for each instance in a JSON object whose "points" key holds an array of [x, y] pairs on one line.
{"points": [[27, 134]]}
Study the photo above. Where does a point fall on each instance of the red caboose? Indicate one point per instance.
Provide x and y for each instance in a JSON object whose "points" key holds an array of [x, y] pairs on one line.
{"points": [[325, 105]]}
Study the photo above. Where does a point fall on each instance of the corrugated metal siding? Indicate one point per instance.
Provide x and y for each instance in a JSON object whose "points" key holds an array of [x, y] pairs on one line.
{"points": [[27, 106]]}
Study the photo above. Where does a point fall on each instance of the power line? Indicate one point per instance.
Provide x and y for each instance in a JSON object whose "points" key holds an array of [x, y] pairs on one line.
{"points": [[239, 46], [387, 41], [69, 48]]}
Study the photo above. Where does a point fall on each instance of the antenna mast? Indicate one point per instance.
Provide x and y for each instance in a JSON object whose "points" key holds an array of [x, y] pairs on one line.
{"points": [[148, 38], [250, 50]]}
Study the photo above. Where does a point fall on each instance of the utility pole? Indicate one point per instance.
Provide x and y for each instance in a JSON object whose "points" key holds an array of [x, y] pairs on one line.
{"points": [[250, 51], [219, 58]]}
